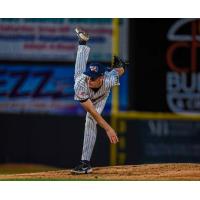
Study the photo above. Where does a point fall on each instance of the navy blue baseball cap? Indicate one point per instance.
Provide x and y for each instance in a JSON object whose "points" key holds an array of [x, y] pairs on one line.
{"points": [[94, 70]]}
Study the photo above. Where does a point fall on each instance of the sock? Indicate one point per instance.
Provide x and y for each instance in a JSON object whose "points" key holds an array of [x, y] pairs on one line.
{"points": [[82, 42], [86, 162]]}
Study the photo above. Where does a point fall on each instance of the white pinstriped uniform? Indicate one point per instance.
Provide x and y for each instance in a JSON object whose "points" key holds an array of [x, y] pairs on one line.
{"points": [[82, 92]]}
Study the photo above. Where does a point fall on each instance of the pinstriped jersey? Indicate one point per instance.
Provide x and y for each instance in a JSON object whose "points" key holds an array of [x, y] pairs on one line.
{"points": [[81, 88], [82, 91]]}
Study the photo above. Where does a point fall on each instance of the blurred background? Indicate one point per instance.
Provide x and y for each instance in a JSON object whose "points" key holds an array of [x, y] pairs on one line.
{"points": [[42, 124]]}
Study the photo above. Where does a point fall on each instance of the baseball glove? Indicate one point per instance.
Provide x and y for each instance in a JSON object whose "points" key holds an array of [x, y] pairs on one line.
{"points": [[118, 62]]}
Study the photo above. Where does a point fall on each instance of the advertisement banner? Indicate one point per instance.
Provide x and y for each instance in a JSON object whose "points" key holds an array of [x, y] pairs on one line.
{"points": [[55, 40], [182, 56], [44, 89], [166, 65], [163, 141]]}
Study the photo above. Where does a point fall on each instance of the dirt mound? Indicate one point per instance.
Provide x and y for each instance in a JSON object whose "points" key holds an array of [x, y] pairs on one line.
{"points": [[181, 171]]}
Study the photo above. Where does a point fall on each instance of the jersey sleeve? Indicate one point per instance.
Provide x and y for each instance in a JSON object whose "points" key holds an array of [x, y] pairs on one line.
{"points": [[112, 78], [81, 93]]}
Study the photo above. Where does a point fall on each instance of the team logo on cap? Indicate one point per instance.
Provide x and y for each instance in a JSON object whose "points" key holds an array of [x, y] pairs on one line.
{"points": [[94, 68]]}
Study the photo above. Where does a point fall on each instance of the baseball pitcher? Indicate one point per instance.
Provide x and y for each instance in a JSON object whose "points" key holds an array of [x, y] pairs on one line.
{"points": [[92, 87]]}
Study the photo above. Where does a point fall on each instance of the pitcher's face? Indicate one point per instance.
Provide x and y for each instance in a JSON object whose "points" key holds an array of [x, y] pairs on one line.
{"points": [[95, 83]]}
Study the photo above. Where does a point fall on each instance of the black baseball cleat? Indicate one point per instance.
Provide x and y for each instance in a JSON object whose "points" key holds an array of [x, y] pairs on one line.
{"points": [[83, 168], [82, 35]]}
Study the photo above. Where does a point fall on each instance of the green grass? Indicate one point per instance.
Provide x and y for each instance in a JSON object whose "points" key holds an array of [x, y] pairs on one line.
{"points": [[24, 168], [42, 179]]}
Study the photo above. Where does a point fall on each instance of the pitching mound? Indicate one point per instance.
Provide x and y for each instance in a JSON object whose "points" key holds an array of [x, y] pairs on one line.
{"points": [[186, 171]]}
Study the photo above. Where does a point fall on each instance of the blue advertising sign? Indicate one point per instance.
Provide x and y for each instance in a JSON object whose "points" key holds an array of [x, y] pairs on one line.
{"points": [[43, 89], [54, 39]]}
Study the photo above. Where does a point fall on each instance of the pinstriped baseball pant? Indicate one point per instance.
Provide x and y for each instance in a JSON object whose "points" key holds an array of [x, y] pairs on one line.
{"points": [[90, 132]]}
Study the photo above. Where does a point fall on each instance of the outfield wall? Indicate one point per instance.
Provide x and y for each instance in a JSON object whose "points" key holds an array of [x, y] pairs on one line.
{"points": [[45, 139]]}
